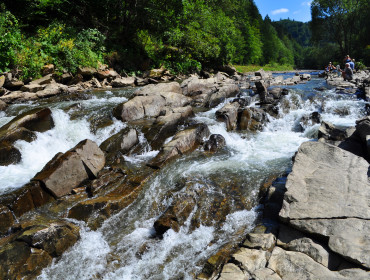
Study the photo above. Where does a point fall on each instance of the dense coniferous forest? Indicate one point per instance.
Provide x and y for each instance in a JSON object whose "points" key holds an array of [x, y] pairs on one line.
{"points": [[183, 36]]}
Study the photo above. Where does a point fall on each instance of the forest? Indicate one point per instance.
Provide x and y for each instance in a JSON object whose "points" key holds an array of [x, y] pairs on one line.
{"points": [[182, 36]]}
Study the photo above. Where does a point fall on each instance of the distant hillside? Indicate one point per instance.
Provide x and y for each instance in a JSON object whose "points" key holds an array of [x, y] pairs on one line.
{"points": [[300, 31]]}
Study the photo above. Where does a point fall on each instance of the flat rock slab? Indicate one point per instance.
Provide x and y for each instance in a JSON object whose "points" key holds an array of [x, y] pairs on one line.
{"points": [[328, 194], [326, 182]]}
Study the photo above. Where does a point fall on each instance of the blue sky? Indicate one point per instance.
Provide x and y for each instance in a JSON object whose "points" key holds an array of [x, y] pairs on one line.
{"points": [[298, 10]]}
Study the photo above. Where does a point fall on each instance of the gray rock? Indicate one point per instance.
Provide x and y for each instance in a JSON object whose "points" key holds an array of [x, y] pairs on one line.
{"points": [[329, 132], [229, 115], [34, 120], [47, 69], [251, 259], [231, 272], [121, 142], [155, 89], [265, 274], [305, 77], [106, 74], [263, 241], [347, 237], [252, 119], [184, 141], [43, 81], [174, 115], [18, 96], [124, 82], [316, 189], [66, 171], [32, 87], [328, 194], [52, 89], [294, 265], [194, 86], [140, 107], [363, 128]]}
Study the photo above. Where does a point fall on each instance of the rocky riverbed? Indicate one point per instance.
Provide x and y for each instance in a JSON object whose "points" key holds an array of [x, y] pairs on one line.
{"points": [[186, 172]]}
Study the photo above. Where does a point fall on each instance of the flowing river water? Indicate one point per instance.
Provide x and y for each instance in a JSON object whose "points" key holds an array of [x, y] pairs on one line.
{"points": [[125, 247]]}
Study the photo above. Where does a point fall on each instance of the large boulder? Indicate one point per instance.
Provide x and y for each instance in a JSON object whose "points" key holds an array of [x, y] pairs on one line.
{"points": [[184, 141], [66, 171], [229, 115], [140, 107], [327, 195]]}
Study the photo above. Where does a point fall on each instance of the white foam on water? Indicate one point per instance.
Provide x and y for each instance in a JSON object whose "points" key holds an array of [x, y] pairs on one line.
{"points": [[65, 135], [4, 119], [180, 251], [87, 259]]}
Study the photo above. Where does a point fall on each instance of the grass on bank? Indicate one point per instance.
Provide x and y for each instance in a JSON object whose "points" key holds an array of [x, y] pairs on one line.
{"points": [[267, 67]]}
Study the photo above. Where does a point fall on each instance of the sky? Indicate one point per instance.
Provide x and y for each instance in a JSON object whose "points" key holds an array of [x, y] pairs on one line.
{"points": [[299, 10]]}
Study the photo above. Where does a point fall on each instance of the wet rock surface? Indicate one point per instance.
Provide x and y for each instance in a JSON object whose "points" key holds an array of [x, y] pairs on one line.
{"points": [[67, 171], [324, 220], [331, 245]]}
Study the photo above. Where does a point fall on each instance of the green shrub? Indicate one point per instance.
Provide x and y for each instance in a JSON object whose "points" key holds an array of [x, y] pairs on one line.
{"points": [[10, 40]]}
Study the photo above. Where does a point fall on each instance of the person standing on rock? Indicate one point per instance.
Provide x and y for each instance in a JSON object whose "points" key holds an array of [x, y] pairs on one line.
{"points": [[347, 73]]}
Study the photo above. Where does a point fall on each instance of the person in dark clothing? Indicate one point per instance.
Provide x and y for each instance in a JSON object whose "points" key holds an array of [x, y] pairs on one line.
{"points": [[347, 73]]}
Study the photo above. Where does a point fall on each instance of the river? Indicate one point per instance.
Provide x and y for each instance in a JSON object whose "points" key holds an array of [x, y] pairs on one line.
{"points": [[125, 247]]}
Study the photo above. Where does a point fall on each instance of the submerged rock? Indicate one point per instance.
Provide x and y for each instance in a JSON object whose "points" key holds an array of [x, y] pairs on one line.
{"points": [[175, 215]]}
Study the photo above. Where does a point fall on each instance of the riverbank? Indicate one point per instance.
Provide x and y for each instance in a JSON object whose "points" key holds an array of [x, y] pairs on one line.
{"points": [[144, 147]]}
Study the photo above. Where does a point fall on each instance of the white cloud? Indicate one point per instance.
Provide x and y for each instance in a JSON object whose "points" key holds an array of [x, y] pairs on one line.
{"points": [[296, 12], [306, 3], [279, 11]]}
